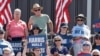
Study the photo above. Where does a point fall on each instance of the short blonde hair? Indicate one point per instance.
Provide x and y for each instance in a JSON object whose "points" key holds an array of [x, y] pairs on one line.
{"points": [[7, 49], [96, 50], [58, 37]]}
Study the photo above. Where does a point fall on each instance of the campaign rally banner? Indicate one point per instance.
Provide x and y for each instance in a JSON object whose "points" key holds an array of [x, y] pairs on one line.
{"points": [[38, 41], [16, 45], [97, 25]]}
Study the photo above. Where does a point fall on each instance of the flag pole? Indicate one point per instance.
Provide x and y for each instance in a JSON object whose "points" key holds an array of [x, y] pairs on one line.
{"points": [[89, 7]]}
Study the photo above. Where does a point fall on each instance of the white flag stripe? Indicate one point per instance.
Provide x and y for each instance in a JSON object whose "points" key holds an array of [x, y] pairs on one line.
{"points": [[64, 4], [61, 12], [6, 15], [58, 2], [3, 5], [65, 17], [4, 19], [9, 10]]}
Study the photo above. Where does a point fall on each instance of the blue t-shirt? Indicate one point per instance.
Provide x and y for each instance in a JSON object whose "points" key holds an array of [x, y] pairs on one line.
{"points": [[66, 40], [63, 50], [96, 22], [97, 47]]}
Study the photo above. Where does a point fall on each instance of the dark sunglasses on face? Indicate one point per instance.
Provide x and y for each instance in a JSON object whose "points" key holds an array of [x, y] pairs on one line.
{"points": [[80, 20], [97, 38], [96, 55], [37, 10], [1, 32], [86, 45], [57, 40]]}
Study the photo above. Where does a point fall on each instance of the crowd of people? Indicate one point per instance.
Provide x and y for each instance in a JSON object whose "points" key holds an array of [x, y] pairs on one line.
{"points": [[79, 43]]}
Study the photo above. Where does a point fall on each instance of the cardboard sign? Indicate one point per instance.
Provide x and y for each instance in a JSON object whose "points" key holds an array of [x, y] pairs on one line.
{"points": [[38, 41], [16, 45]]}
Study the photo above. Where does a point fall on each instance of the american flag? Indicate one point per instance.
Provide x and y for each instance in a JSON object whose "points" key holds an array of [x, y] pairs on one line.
{"points": [[62, 14], [5, 12]]}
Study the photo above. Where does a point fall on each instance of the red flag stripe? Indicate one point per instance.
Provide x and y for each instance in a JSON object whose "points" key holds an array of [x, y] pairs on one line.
{"points": [[5, 11], [62, 14]]}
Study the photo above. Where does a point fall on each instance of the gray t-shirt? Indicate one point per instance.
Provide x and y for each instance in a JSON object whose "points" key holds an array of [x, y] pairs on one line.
{"points": [[41, 22]]}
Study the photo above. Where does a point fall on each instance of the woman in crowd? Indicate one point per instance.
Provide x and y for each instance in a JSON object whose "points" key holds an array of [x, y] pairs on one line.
{"points": [[36, 51], [86, 49], [80, 33], [35, 30], [58, 49], [96, 44], [63, 32], [16, 30], [95, 52]]}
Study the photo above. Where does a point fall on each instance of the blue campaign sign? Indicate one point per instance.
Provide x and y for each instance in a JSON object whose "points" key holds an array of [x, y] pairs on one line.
{"points": [[97, 25], [16, 45], [38, 41]]}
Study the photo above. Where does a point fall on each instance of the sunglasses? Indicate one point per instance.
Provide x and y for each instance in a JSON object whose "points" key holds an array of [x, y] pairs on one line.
{"points": [[98, 38], [80, 20], [86, 45], [57, 40], [37, 50], [37, 10], [96, 55], [1, 32]]}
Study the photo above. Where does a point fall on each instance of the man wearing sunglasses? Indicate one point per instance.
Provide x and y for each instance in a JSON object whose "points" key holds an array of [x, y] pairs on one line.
{"points": [[40, 19], [80, 33]]}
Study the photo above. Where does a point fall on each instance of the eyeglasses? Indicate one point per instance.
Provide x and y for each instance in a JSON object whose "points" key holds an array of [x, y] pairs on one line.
{"points": [[37, 10], [86, 45], [80, 20], [57, 40], [96, 55]]}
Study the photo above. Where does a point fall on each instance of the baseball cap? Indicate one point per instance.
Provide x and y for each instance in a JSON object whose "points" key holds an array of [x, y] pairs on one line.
{"points": [[64, 25]]}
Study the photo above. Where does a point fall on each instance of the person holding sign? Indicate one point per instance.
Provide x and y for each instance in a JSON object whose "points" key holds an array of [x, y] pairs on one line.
{"points": [[35, 30], [58, 49], [80, 33]]}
